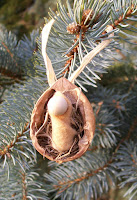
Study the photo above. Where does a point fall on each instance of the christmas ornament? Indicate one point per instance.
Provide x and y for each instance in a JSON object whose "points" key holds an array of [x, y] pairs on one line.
{"points": [[62, 122]]}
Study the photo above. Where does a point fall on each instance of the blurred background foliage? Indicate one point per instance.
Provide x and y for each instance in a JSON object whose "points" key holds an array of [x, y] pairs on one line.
{"points": [[22, 16]]}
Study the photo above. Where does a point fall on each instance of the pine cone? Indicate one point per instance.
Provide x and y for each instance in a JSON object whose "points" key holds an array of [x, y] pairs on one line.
{"points": [[87, 13], [73, 28]]}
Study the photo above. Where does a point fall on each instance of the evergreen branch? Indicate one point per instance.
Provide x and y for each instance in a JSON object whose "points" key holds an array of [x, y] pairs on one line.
{"points": [[77, 180], [8, 43], [122, 12], [87, 179], [127, 164], [17, 150], [18, 53], [60, 28], [9, 52], [115, 102], [106, 129], [108, 105], [22, 185], [63, 175], [6, 149], [128, 134], [91, 55], [86, 171], [130, 131], [84, 26], [28, 47], [15, 116]]}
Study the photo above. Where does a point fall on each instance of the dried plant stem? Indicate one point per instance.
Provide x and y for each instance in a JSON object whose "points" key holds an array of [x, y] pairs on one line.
{"points": [[43, 125], [50, 71], [92, 54]]}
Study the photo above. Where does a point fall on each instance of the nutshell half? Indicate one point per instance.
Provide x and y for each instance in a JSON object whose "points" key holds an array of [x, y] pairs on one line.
{"points": [[65, 136]]}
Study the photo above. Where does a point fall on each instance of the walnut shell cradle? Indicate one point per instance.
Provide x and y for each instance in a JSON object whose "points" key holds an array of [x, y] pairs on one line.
{"points": [[82, 121]]}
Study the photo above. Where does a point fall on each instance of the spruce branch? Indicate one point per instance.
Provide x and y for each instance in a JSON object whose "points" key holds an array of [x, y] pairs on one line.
{"points": [[106, 129], [127, 164], [60, 39], [15, 143], [82, 182], [121, 11], [8, 43], [122, 15], [87, 179], [50, 72], [84, 29], [64, 180], [129, 133], [22, 184], [91, 55], [115, 102], [16, 56]]}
